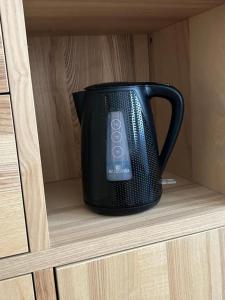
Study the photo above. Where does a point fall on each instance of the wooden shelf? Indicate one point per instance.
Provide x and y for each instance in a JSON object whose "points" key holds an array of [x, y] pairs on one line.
{"points": [[77, 234], [72, 16], [184, 209]]}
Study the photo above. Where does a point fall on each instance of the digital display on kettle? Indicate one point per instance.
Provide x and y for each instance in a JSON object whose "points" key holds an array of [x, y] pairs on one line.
{"points": [[118, 165]]}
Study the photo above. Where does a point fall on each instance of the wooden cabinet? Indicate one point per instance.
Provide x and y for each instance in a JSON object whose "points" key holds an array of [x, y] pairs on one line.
{"points": [[13, 238], [175, 251], [19, 288], [185, 268]]}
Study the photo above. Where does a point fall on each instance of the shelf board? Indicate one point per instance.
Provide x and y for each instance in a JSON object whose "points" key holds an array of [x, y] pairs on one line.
{"points": [[91, 16], [185, 208]]}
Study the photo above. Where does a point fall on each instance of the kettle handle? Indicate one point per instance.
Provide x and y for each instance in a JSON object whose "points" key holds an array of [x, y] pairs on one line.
{"points": [[177, 102]]}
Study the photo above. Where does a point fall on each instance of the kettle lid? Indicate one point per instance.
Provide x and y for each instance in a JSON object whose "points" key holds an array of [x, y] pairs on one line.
{"points": [[116, 84]]}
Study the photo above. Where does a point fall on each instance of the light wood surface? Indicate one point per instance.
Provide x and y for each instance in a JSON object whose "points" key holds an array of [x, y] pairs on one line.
{"points": [[25, 123], [207, 44], [19, 288], [186, 268], [137, 274], [170, 63], [77, 234], [196, 267], [75, 63], [44, 283], [4, 87], [13, 238], [101, 16], [186, 208], [75, 252]]}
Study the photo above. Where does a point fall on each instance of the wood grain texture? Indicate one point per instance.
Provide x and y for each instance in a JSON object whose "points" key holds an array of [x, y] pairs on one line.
{"points": [[196, 267], [76, 252], [141, 59], [77, 234], [207, 44], [109, 16], [25, 123], [186, 207], [62, 65], [186, 268], [13, 237], [137, 274], [44, 283], [19, 288], [4, 87], [170, 63]]}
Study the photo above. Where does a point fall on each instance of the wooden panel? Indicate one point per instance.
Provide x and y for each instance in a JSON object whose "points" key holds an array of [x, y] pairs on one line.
{"points": [[134, 274], [187, 268], [185, 208], [109, 16], [25, 122], [141, 57], [4, 88], [19, 288], [44, 283], [196, 267], [13, 239], [170, 64], [91, 248], [74, 63], [207, 44]]}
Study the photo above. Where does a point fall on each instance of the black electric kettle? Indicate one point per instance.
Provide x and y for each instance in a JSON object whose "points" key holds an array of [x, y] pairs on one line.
{"points": [[121, 165]]}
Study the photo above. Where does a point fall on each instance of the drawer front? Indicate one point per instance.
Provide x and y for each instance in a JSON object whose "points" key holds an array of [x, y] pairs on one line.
{"points": [[13, 237], [4, 87], [19, 288], [185, 268]]}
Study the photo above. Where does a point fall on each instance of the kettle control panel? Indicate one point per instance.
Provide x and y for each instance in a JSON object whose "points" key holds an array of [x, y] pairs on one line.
{"points": [[118, 165]]}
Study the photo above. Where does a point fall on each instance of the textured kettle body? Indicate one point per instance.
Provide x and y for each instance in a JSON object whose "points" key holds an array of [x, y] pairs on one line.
{"points": [[121, 165]]}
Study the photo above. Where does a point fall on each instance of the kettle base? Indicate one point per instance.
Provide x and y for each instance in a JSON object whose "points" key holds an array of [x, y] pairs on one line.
{"points": [[121, 211]]}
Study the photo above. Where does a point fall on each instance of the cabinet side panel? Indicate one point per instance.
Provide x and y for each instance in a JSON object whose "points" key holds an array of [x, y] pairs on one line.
{"points": [[170, 64], [207, 48], [14, 35]]}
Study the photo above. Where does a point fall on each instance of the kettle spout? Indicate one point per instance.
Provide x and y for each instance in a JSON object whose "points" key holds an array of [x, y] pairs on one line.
{"points": [[78, 98]]}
